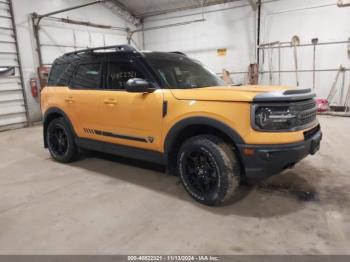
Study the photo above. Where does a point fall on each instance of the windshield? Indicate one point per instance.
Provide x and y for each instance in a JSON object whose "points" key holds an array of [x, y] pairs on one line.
{"points": [[180, 72]]}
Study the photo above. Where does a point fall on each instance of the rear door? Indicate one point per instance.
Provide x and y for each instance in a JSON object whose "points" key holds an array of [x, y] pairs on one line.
{"points": [[86, 92]]}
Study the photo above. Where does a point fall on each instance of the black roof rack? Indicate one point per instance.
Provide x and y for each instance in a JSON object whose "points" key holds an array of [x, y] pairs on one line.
{"points": [[178, 52], [128, 48]]}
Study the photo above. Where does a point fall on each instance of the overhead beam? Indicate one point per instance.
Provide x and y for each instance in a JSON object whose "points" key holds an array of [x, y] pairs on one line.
{"points": [[122, 6], [253, 4], [124, 11], [184, 8], [86, 23], [68, 9], [343, 3]]}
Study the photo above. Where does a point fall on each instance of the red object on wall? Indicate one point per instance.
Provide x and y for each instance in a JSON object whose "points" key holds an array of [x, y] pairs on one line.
{"points": [[43, 73], [34, 87], [322, 105]]}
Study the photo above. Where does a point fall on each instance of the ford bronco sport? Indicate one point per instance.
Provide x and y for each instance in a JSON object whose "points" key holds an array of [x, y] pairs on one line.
{"points": [[170, 109]]}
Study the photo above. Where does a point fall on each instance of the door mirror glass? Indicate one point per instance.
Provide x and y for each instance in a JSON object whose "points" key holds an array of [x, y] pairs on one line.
{"points": [[139, 85]]}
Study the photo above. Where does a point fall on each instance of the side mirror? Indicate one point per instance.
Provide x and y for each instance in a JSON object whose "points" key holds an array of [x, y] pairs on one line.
{"points": [[139, 85]]}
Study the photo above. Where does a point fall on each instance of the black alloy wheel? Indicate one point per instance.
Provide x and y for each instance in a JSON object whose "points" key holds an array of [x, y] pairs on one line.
{"points": [[209, 169], [202, 171], [60, 141]]}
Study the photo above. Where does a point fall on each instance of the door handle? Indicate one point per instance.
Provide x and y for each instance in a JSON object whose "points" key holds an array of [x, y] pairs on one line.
{"points": [[69, 100], [110, 102]]}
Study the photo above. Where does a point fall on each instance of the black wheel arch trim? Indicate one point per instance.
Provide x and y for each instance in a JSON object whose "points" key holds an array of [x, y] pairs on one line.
{"points": [[177, 128], [46, 118]]}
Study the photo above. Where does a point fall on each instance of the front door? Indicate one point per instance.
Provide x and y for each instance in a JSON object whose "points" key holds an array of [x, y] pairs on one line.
{"points": [[131, 119]]}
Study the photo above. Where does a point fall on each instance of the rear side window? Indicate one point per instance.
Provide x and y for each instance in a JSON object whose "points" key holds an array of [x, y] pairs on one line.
{"points": [[55, 73], [119, 73], [60, 74], [87, 76]]}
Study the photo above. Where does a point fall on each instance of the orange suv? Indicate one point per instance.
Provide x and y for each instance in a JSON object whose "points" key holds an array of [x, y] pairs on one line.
{"points": [[170, 109]]}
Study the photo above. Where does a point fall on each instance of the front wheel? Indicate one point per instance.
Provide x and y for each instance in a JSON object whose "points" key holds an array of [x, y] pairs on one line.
{"points": [[208, 169]]}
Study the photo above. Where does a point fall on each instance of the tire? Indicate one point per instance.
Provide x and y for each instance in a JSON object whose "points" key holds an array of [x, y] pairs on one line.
{"points": [[60, 141], [208, 169]]}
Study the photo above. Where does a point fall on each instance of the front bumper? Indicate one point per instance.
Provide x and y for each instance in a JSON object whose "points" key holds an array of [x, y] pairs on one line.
{"points": [[262, 161]]}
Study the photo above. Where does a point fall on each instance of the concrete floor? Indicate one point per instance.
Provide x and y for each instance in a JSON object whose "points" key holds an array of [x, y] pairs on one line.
{"points": [[106, 206]]}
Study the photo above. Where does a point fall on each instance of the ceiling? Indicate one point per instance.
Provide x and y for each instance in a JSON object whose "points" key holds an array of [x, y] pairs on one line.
{"points": [[146, 8]]}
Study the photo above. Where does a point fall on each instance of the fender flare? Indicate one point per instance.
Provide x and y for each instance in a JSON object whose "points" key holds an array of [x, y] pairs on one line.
{"points": [[177, 128], [50, 112]]}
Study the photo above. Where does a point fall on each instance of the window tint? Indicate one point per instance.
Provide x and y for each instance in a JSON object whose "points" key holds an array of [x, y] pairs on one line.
{"points": [[87, 76], [119, 73]]}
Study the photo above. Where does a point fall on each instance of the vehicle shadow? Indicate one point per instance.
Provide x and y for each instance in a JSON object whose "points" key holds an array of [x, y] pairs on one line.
{"points": [[279, 195]]}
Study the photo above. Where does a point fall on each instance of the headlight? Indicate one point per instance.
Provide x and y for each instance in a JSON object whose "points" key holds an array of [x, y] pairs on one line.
{"points": [[273, 118]]}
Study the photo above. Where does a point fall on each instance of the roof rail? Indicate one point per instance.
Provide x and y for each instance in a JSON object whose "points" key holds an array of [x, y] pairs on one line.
{"points": [[179, 53], [116, 47]]}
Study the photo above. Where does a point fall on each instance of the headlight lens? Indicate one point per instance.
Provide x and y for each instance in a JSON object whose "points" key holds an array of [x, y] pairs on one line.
{"points": [[274, 117]]}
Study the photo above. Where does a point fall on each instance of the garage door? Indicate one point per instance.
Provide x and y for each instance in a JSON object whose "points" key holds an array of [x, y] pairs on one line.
{"points": [[13, 110]]}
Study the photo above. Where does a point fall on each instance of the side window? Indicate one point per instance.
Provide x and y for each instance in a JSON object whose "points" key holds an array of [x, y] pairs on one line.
{"points": [[119, 73], [55, 74], [67, 74], [87, 76], [60, 74]]}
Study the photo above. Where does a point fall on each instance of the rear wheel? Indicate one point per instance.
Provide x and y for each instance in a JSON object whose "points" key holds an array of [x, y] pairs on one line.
{"points": [[208, 169], [60, 141]]}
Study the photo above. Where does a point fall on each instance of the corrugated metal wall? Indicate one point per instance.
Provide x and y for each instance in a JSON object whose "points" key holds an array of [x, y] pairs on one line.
{"points": [[13, 112]]}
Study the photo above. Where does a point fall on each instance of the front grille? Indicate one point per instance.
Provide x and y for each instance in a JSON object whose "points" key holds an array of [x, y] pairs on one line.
{"points": [[305, 105], [306, 111]]}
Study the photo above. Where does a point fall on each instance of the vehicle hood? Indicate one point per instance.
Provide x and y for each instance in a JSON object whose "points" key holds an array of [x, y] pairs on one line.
{"points": [[225, 93]]}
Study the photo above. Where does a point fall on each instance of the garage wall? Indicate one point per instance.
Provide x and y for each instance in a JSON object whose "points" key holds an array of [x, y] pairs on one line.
{"points": [[230, 26], [233, 26], [61, 34], [12, 101], [321, 19]]}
